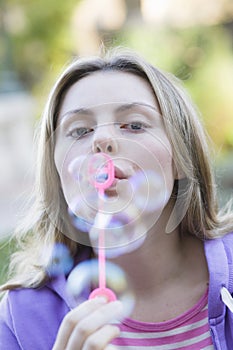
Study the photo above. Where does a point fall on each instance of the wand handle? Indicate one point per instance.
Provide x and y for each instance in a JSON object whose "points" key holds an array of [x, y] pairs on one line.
{"points": [[103, 178]]}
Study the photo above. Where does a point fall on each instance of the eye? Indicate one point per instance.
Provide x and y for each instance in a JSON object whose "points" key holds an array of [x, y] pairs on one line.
{"points": [[134, 126], [77, 133]]}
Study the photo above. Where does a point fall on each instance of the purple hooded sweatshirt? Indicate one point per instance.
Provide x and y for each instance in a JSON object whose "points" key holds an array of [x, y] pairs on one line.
{"points": [[30, 318]]}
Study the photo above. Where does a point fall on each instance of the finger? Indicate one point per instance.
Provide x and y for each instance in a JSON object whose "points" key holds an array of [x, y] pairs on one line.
{"points": [[110, 347], [91, 323], [73, 318], [101, 338]]}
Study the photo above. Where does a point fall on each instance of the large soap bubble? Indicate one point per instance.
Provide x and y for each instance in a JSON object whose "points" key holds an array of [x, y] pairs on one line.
{"points": [[144, 169]]}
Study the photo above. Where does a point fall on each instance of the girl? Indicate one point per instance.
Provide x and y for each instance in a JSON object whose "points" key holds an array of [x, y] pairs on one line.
{"points": [[181, 270]]}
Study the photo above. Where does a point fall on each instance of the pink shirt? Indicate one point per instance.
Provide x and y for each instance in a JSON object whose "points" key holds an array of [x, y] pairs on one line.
{"points": [[189, 331]]}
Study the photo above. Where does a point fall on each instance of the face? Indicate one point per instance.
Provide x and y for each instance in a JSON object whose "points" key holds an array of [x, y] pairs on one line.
{"points": [[115, 113]]}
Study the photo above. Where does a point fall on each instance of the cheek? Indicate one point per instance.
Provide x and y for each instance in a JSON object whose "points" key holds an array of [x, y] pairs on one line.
{"points": [[167, 165], [63, 157], [150, 151], [155, 154], [72, 166], [165, 159]]}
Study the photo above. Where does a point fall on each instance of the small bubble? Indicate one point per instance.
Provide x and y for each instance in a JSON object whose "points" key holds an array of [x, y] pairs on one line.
{"points": [[85, 277], [60, 261]]}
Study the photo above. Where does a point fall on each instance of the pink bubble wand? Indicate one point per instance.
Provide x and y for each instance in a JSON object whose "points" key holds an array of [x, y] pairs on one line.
{"points": [[102, 178]]}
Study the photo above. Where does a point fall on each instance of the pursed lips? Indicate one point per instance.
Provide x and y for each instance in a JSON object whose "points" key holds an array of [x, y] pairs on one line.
{"points": [[119, 175]]}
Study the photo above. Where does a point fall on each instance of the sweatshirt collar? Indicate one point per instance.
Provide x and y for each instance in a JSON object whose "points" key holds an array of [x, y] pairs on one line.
{"points": [[217, 260], [218, 275]]}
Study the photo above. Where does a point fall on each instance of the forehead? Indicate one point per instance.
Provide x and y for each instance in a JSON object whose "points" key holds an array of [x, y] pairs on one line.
{"points": [[101, 88]]}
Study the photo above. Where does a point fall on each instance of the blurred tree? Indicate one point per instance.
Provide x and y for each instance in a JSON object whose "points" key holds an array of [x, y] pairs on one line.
{"points": [[202, 57], [39, 34]]}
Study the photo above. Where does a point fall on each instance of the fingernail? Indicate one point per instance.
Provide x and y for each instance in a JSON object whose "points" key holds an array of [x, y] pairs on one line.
{"points": [[101, 299]]}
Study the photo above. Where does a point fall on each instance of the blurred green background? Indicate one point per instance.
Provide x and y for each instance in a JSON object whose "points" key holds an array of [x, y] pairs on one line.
{"points": [[193, 40]]}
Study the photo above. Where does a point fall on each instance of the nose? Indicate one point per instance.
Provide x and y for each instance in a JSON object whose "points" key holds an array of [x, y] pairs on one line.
{"points": [[104, 142]]}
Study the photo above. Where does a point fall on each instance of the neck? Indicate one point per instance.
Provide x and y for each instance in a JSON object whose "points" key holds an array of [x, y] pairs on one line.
{"points": [[164, 260], [158, 259]]}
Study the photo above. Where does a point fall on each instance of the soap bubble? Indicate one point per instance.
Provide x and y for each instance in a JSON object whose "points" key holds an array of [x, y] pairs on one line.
{"points": [[84, 278], [60, 261], [141, 154]]}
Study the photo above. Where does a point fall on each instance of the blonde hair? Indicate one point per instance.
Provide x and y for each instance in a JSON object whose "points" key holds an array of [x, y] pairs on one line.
{"points": [[195, 193]]}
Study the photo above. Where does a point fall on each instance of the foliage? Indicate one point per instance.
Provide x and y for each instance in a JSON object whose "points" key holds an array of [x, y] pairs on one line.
{"points": [[200, 56], [6, 249], [41, 43]]}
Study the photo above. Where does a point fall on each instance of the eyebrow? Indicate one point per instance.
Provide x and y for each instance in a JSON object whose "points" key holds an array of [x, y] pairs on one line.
{"points": [[131, 105], [88, 111]]}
